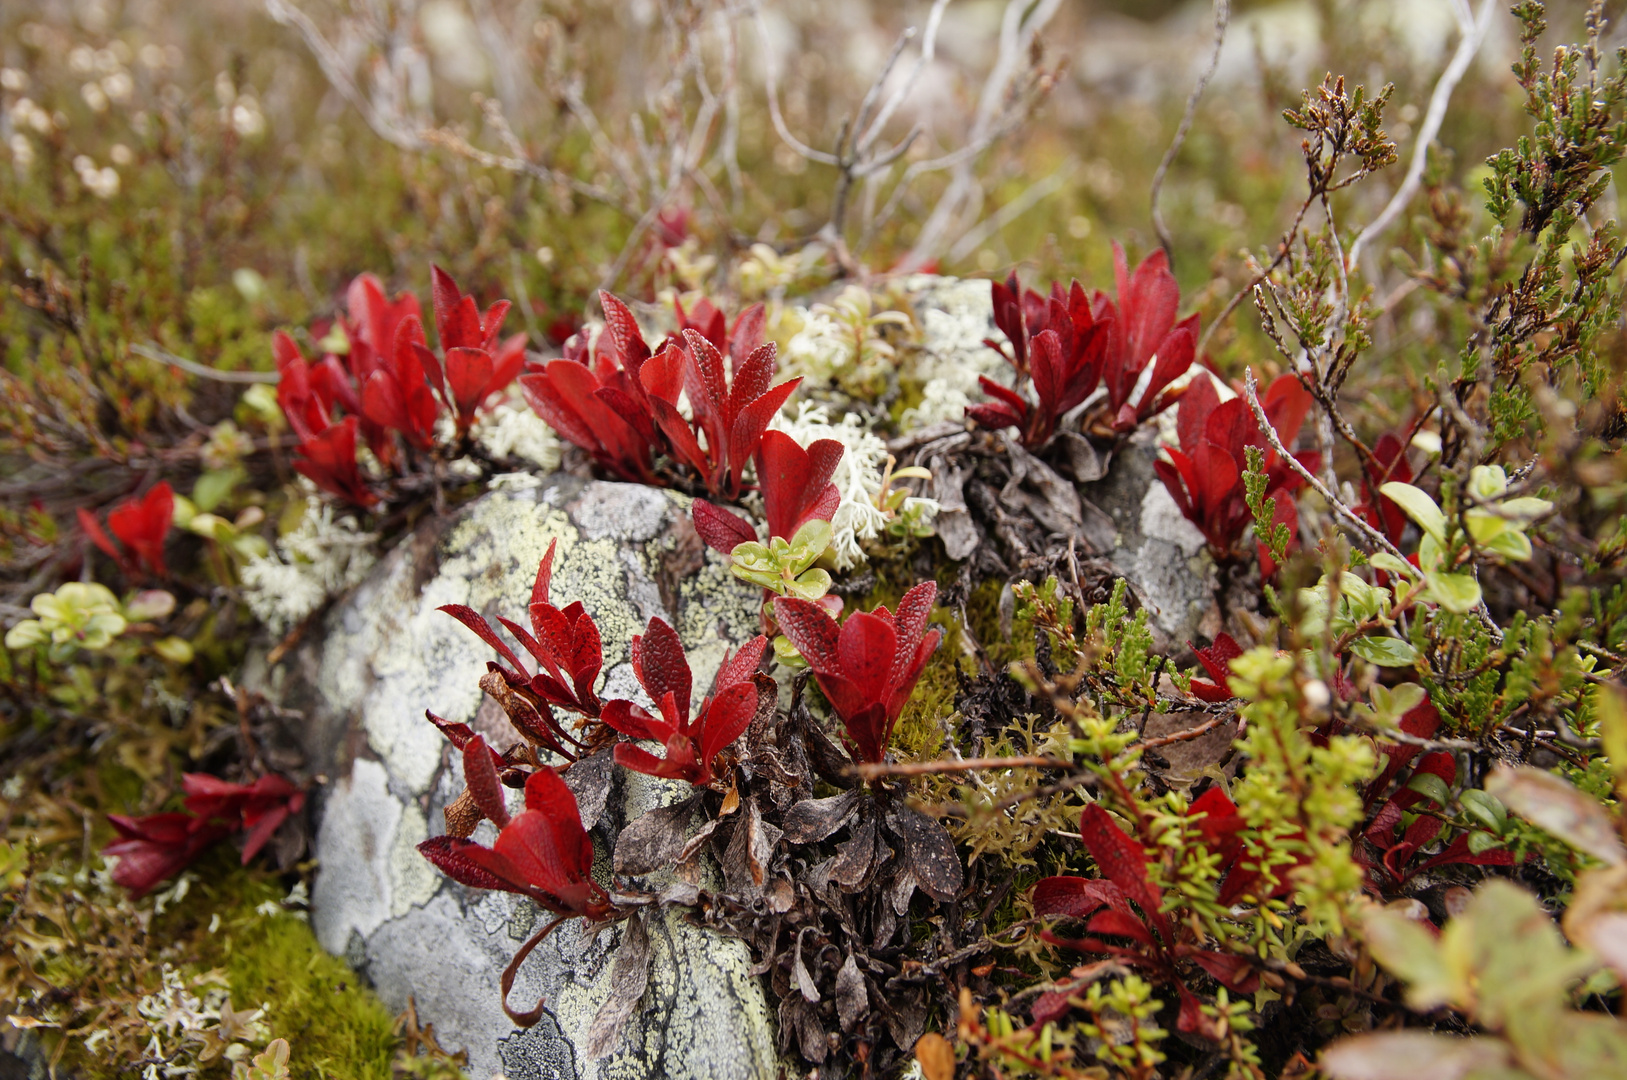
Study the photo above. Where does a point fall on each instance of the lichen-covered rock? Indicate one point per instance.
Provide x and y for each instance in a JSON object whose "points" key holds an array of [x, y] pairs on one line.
{"points": [[384, 656], [1160, 552]]}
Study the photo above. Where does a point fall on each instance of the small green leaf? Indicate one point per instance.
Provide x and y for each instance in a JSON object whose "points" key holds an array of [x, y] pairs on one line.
{"points": [[1385, 651], [1481, 841], [1430, 787], [213, 486], [810, 586], [1612, 714], [1511, 544], [805, 548], [1488, 810], [175, 650], [787, 654], [1418, 506], [1454, 592], [1487, 482], [27, 634], [1524, 509], [1388, 563]]}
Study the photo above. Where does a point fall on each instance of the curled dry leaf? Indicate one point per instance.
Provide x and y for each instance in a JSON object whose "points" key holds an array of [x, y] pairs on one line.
{"points": [[628, 980], [751, 848], [589, 780], [805, 983], [930, 851], [852, 1001], [654, 840], [855, 856]]}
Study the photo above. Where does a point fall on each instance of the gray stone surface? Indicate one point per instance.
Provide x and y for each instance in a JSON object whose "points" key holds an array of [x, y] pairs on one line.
{"points": [[1157, 549], [384, 656]]}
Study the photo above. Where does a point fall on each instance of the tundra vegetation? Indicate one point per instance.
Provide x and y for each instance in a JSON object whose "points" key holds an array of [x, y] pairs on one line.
{"points": [[1357, 303]]}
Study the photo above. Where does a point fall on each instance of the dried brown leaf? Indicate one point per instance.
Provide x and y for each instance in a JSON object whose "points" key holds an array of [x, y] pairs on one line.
{"points": [[811, 820]]}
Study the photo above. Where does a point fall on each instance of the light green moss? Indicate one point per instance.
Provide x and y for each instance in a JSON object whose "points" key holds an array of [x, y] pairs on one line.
{"points": [[337, 1027]]}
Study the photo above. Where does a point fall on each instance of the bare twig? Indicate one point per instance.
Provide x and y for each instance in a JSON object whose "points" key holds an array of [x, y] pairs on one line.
{"points": [[192, 367], [1183, 736], [870, 771], [1474, 33], [999, 111], [1223, 14], [1370, 534]]}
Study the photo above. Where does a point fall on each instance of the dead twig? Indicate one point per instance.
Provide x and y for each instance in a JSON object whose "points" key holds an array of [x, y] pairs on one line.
{"points": [[1223, 15]]}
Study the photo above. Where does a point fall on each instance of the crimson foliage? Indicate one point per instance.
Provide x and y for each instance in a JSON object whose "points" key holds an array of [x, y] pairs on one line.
{"points": [[140, 523], [156, 847], [796, 490], [621, 404], [1205, 476], [1069, 343], [692, 746], [868, 666]]}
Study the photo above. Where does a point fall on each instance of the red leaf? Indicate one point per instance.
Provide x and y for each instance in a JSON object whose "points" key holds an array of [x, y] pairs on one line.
{"points": [[720, 529], [631, 719], [1119, 924], [1074, 897], [740, 667], [726, 718], [469, 377], [1120, 858], [480, 774], [471, 618], [659, 662]]}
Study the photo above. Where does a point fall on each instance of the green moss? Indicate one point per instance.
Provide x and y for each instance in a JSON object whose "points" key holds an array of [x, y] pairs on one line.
{"points": [[337, 1027]]}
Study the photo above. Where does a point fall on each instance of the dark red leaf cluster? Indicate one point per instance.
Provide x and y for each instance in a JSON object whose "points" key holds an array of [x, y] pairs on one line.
{"points": [[868, 666], [156, 847], [390, 385], [140, 523], [1397, 842], [1125, 904], [796, 490], [566, 646], [621, 404], [1069, 343], [692, 746], [1205, 476]]}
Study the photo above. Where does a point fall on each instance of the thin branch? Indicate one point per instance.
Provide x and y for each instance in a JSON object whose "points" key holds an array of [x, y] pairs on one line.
{"points": [[192, 367], [929, 42], [1474, 33], [1372, 535], [1183, 736], [1223, 15], [997, 112], [870, 771], [1011, 211], [771, 90], [1283, 248], [284, 13]]}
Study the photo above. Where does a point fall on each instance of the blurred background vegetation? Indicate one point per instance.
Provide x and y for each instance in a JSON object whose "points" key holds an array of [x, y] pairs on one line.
{"points": [[178, 180]]}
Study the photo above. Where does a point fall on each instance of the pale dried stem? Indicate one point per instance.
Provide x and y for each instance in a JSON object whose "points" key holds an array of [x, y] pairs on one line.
{"points": [[1223, 15], [1366, 531], [1473, 29]]}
